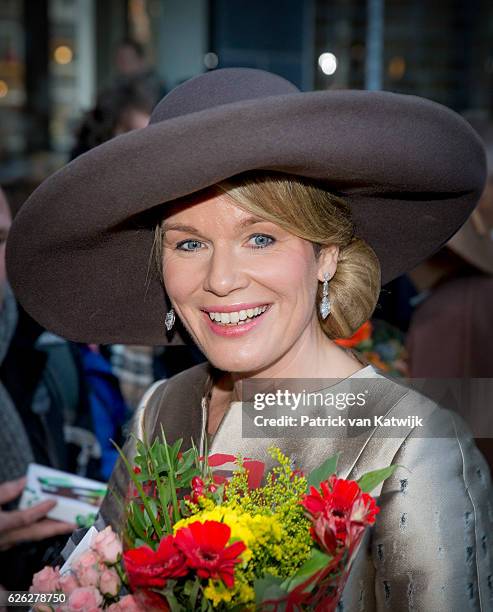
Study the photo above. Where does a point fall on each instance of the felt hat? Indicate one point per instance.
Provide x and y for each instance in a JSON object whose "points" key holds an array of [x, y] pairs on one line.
{"points": [[78, 253]]}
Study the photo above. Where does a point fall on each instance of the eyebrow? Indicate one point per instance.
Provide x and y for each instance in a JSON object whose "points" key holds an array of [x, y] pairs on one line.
{"points": [[193, 230]]}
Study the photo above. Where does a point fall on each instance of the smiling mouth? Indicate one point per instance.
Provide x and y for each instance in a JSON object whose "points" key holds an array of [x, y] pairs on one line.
{"points": [[237, 318]]}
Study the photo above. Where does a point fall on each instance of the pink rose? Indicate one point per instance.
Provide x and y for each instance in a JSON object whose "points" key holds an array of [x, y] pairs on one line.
{"points": [[107, 545], [126, 604], [85, 599], [46, 581], [109, 583], [88, 569], [68, 583]]}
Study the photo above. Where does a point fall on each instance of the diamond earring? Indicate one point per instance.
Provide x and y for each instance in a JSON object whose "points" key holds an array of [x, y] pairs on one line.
{"points": [[169, 320], [325, 302]]}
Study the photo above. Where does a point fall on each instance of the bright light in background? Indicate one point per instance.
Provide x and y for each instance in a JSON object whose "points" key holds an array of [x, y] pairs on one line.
{"points": [[397, 67], [63, 54], [211, 60], [328, 63], [4, 89]]}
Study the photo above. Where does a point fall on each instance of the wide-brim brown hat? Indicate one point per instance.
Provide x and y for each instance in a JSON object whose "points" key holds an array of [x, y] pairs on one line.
{"points": [[79, 249]]}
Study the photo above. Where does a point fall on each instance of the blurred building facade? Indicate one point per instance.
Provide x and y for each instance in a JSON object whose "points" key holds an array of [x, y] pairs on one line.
{"points": [[55, 55]]}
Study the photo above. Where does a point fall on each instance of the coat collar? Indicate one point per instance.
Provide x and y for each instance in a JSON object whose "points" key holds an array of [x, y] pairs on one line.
{"points": [[182, 410]]}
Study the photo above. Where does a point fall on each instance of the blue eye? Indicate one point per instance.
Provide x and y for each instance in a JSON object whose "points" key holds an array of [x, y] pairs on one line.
{"points": [[262, 240], [181, 245]]}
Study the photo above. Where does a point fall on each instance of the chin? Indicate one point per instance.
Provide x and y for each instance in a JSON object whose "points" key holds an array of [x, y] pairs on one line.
{"points": [[237, 364]]}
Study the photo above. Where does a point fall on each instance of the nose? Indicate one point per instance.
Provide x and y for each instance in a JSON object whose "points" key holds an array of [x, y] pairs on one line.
{"points": [[225, 272]]}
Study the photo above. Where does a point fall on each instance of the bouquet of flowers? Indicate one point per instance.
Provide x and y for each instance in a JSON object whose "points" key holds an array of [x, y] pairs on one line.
{"points": [[193, 539]]}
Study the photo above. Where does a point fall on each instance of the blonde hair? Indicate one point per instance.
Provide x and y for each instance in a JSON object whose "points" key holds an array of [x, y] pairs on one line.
{"points": [[306, 209]]}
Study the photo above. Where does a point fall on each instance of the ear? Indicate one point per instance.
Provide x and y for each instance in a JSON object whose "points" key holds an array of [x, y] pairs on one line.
{"points": [[327, 262]]}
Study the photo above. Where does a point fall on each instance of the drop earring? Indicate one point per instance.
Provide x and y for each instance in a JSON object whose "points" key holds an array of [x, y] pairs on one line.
{"points": [[325, 302], [169, 320]]}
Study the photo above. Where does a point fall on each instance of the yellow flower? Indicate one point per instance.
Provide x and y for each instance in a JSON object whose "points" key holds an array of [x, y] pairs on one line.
{"points": [[217, 592], [238, 524], [255, 531]]}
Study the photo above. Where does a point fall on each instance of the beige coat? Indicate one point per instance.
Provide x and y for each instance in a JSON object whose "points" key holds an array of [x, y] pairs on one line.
{"points": [[431, 547]]}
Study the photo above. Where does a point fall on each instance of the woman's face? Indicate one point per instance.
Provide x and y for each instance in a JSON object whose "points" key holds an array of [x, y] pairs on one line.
{"points": [[244, 287]]}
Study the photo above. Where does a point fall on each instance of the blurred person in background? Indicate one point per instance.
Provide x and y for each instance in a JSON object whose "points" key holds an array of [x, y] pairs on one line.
{"points": [[451, 330], [132, 66], [123, 108], [120, 109], [24, 534], [452, 327]]}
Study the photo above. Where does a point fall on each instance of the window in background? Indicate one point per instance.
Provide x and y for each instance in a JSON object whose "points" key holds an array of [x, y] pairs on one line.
{"points": [[440, 50], [72, 67], [12, 85]]}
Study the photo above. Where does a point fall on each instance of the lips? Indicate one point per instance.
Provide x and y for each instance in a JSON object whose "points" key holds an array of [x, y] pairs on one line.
{"points": [[232, 322]]}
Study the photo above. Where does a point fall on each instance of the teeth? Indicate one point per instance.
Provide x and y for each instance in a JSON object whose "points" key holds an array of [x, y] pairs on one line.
{"points": [[235, 318]]}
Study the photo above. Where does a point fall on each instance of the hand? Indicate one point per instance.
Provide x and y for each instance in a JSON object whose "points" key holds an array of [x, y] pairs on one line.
{"points": [[27, 525]]}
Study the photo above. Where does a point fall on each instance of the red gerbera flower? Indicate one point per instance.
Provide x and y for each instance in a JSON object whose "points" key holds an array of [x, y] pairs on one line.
{"points": [[146, 568], [339, 512], [204, 545]]}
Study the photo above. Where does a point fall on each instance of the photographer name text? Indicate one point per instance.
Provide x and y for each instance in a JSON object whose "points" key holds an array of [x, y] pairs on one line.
{"points": [[337, 421]]}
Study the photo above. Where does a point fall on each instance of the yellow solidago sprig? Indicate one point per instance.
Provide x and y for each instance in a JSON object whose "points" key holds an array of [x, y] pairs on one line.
{"points": [[280, 498]]}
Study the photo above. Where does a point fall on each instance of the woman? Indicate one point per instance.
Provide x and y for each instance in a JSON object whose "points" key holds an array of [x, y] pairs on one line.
{"points": [[284, 212]]}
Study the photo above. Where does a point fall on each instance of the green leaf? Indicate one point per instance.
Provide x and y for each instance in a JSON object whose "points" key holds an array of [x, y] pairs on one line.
{"points": [[322, 472], [187, 587], [139, 542], [174, 605], [318, 561], [175, 449], [186, 463], [164, 498], [194, 594], [143, 496], [371, 480], [137, 518], [140, 448], [205, 604], [268, 587], [174, 499]]}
